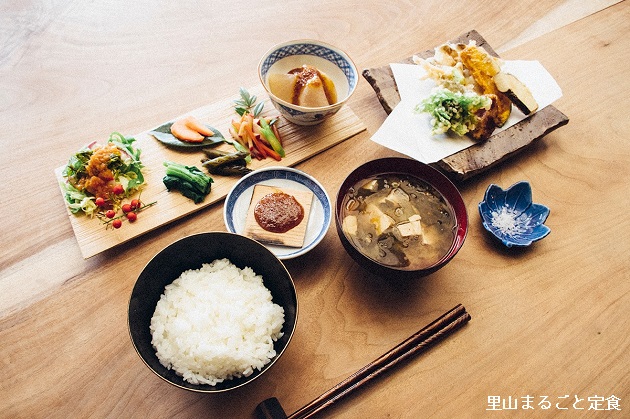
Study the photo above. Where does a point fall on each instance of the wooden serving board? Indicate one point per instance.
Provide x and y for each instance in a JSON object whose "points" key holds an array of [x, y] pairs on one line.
{"points": [[481, 156], [300, 143]]}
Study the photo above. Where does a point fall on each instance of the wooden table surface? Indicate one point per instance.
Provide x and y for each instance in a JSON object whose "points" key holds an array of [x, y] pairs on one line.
{"points": [[549, 323]]}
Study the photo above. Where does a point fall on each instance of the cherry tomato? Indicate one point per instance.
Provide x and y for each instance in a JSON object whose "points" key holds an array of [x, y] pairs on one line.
{"points": [[118, 189], [116, 223], [135, 204], [126, 208], [110, 214], [100, 202], [132, 216]]}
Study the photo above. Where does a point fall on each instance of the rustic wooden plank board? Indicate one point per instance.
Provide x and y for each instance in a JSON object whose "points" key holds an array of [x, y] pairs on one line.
{"points": [[481, 156], [300, 143]]}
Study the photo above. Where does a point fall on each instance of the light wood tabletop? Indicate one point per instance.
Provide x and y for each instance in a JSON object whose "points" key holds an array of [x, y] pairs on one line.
{"points": [[549, 335]]}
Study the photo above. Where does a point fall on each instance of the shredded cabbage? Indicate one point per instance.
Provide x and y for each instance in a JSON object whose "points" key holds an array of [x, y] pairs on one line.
{"points": [[78, 200]]}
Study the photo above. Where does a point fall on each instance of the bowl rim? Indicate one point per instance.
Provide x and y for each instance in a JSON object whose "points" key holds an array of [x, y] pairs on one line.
{"points": [[202, 387], [397, 165], [304, 108]]}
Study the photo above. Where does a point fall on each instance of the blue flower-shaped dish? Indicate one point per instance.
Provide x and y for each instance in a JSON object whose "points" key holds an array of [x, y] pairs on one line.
{"points": [[512, 217]]}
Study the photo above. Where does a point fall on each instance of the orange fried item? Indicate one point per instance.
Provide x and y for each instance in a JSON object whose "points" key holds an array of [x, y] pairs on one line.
{"points": [[483, 67]]}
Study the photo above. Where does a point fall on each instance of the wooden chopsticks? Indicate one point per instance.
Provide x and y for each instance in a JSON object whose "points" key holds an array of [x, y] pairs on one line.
{"points": [[419, 341]]}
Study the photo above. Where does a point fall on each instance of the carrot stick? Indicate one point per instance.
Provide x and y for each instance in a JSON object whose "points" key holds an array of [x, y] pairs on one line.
{"points": [[260, 148], [268, 151]]}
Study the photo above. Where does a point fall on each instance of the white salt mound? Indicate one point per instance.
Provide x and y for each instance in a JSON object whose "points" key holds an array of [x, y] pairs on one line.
{"points": [[216, 323]]}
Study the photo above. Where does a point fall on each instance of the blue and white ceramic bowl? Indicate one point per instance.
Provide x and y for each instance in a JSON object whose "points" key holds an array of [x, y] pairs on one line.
{"points": [[512, 217], [327, 58], [238, 200]]}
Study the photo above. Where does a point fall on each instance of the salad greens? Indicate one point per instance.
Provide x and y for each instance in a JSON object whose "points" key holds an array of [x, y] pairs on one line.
{"points": [[126, 170], [130, 169], [78, 200], [189, 180], [453, 111]]}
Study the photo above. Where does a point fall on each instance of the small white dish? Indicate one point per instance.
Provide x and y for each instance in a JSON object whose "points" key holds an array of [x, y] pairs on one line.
{"points": [[238, 200]]}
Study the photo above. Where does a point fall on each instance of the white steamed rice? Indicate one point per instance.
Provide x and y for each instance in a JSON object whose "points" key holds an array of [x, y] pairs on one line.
{"points": [[216, 323]]}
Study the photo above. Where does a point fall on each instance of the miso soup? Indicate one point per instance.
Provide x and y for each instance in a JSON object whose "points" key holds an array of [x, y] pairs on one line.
{"points": [[398, 221]]}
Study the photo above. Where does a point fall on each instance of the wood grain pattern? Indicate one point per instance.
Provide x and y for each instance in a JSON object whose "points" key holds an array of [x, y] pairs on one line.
{"points": [[292, 238], [300, 143], [483, 155], [549, 320]]}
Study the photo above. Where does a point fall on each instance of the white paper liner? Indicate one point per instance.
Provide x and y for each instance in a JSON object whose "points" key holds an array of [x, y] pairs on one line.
{"points": [[409, 133]]}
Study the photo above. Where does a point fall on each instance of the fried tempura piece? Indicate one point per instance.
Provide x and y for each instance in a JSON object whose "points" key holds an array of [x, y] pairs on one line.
{"points": [[486, 123], [483, 67], [517, 92], [445, 67]]}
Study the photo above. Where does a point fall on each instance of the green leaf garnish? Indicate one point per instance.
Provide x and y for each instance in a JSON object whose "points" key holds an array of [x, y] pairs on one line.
{"points": [[247, 102]]}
